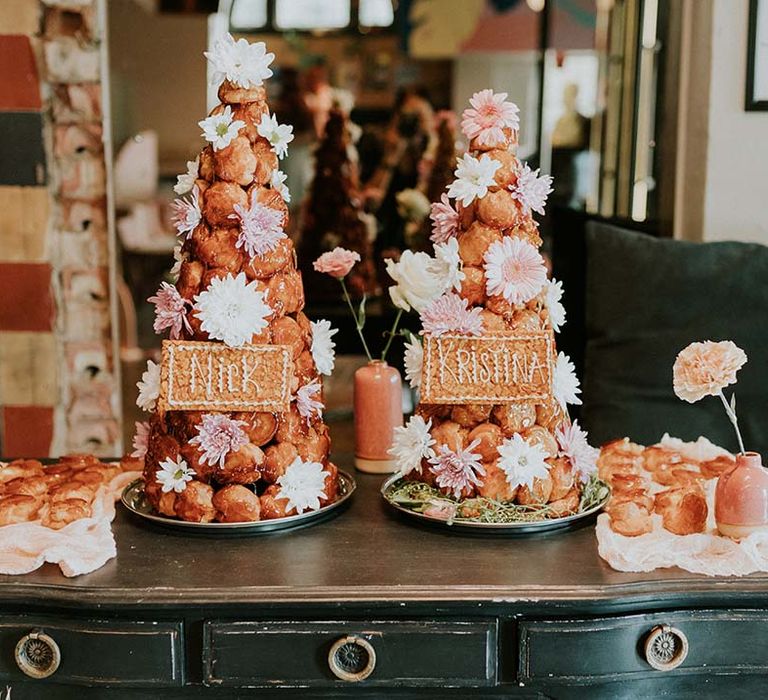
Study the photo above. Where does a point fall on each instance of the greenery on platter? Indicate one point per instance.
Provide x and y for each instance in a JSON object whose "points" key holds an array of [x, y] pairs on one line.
{"points": [[423, 498]]}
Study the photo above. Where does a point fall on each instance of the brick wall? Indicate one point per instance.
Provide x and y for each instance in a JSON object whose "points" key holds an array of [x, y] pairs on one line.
{"points": [[58, 378]]}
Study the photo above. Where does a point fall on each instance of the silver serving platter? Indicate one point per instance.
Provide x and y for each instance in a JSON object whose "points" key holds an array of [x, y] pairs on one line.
{"points": [[478, 528], [136, 502]]}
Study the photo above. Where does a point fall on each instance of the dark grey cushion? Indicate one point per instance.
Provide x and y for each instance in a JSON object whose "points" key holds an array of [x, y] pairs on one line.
{"points": [[647, 298]]}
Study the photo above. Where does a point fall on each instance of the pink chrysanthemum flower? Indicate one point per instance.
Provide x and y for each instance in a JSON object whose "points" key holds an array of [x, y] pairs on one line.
{"points": [[572, 441], [306, 404], [457, 471], [170, 310], [514, 269], [187, 213], [261, 228], [531, 190], [445, 220], [217, 436], [489, 115], [451, 314], [141, 440]]}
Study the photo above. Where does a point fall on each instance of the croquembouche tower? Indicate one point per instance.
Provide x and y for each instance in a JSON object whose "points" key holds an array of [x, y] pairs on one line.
{"points": [[492, 421], [332, 214], [236, 431]]}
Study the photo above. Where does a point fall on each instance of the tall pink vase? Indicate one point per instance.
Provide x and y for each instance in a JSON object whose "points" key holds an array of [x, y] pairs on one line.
{"points": [[378, 411], [741, 497]]}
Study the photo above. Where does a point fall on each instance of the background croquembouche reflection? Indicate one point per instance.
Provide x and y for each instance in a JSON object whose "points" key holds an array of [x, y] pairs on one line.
{"points": [[236, 283]]}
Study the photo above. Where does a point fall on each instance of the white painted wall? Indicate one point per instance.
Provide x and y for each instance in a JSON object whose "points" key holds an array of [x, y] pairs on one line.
{"points": [[736, 196]]}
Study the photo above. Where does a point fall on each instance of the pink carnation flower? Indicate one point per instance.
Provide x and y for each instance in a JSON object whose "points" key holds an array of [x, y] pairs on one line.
{"points": [[445, 220], [451, 314], [337, 263], [705, 369], [261, 228], [187, 213], [457, 471], [514, 269], [489, 115], [217, 436], [306, 404], [141, 440], [531, 189], [170, 310]]}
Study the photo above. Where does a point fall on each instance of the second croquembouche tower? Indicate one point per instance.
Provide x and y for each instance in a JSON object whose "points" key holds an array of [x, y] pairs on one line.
{"points": [[492, 420], [236, 431]]}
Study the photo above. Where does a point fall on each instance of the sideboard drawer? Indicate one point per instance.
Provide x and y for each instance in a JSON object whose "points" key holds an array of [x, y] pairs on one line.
{"points": [[376, 654], [614, 648], [91, 652]]}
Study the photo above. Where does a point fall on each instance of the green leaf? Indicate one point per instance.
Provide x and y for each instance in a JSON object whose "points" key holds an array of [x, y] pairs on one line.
{"points": [[361, 312]]}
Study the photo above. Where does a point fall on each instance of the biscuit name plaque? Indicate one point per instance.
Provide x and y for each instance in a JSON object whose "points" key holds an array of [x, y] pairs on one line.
{"points": [[491, 369], [203, 376]]}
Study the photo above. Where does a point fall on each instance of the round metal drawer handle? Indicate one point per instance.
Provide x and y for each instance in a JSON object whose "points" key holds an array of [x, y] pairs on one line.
{"points": [[352, 659], [665, 648], [37, 655]]}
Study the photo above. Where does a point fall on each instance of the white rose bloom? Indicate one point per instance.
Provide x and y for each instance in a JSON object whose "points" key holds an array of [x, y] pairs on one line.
{"points": [[149, 387]]}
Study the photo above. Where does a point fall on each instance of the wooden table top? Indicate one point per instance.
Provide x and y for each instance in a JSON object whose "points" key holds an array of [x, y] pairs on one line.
{"points": [[368, 554]]}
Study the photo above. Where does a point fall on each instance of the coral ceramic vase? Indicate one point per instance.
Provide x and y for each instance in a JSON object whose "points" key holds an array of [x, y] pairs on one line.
{"points": [[378, 411], [741, 497]]}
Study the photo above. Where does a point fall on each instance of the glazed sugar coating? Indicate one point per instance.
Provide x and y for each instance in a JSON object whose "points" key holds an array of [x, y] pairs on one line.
{"points": [[225, 467], [526, 451]]}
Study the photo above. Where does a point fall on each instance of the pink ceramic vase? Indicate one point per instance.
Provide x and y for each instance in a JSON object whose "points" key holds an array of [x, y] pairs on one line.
{"points": [[741, 497], [378, 411]]}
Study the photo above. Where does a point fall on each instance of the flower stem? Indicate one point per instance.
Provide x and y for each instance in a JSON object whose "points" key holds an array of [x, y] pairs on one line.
{"points": [[392, 334], [357, 320], [732, 417]]}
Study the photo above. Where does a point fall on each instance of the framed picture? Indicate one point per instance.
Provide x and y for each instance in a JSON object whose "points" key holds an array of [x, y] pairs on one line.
{"points": [[757, 57]]}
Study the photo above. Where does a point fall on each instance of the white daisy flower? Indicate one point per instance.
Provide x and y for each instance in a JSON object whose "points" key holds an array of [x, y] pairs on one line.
{"points": [[410, 444], [243, 64], [514, 269], [531, 189], [473, 177], [522, 462], [174, 475], [554, 293], [306, 403], [565, 383], [572, 440], [220, 129], [186, 181], [322, 349], [149, 387], [279, 135], [232, 310], [277, 182], [414, 360], [302, 485]]}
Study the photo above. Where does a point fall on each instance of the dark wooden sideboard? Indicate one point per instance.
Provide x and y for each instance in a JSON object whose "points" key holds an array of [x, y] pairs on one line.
{"points": [[416, 611]]}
